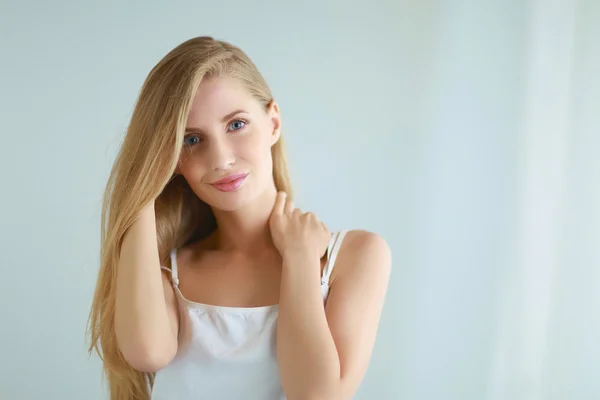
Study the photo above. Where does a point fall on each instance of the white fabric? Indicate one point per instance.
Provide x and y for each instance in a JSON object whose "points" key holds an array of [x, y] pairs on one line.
{"points": [[232, 351]]}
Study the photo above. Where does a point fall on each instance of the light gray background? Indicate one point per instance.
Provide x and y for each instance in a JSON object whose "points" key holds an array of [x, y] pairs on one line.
{"points": [[402, 117]]}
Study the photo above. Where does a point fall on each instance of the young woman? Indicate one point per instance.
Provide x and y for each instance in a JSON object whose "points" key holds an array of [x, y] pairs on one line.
{"points": [[212, 285]]}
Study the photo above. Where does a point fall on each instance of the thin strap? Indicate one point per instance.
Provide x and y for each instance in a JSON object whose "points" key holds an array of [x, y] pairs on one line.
{"points": [[332, 252], [174, 274], [330, 245], [173, 270]]}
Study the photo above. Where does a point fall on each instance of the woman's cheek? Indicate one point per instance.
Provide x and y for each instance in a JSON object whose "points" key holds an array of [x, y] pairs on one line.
{"points": [[249, 143]]}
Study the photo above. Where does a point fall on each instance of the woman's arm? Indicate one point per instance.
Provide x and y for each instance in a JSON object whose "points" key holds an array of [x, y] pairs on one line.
{"points": [[146, 312], [324, 352]]}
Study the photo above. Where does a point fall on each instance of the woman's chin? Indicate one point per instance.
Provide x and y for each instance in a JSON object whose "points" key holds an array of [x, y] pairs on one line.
{"points": [[228, 201]]}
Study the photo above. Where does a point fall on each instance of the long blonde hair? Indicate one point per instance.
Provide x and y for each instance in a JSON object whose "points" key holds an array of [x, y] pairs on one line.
{"points": [[144, 170]]}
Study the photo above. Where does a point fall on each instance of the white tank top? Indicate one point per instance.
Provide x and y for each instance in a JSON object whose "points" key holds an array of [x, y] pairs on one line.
{"points": [[231, 353]]}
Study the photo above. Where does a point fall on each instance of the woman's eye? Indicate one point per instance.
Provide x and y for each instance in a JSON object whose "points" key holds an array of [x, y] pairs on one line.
{"points": [[237, 125], [191, 140]]}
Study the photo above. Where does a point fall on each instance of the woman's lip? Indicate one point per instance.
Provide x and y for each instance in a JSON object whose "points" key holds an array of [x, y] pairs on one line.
{"points": [[229, 178], [231, 186]]}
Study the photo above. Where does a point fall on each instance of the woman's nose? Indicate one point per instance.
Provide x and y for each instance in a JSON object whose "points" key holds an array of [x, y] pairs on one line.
{"points": [[221, 155]]}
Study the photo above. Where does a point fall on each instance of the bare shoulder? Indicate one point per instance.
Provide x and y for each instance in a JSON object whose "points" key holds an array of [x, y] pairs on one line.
{"points": [[168, 287], [171, 300], [355, 303], [362, 252], [167, 280]]}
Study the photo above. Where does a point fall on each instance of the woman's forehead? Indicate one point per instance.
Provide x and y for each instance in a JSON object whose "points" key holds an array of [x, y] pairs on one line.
{"points": [[216, 98]]}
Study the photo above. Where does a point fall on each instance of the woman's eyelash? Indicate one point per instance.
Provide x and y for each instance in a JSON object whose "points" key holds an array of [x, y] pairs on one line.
{"points": [[185, 140], [244, 122], [239, 120]]}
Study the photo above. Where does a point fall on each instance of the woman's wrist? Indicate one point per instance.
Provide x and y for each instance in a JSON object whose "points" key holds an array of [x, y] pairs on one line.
{"points": [[300, 259], [299, 254]]}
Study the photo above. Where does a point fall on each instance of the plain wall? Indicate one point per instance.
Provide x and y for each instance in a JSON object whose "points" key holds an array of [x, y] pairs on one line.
{"points": [[401, 117]]}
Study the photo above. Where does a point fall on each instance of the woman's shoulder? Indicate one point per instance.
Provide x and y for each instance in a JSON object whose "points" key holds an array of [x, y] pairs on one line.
{"points": [[360, 240], [364, 250]]}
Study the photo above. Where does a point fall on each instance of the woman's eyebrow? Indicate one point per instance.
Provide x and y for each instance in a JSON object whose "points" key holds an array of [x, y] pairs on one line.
{"points": [[224, 119]]}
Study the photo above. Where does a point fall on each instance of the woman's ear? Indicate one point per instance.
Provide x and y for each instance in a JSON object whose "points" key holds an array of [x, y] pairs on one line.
{"points": [[275, 118]]}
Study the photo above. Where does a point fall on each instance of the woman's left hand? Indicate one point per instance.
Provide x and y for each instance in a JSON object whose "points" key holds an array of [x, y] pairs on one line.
{"points": [[296, 233]]}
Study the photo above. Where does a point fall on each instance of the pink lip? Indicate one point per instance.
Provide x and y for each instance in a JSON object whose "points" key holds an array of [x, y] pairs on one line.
{"points": [[230, 183]]}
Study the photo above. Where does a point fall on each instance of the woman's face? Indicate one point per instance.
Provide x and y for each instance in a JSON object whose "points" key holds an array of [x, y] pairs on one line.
{"points": [[228, 135]]}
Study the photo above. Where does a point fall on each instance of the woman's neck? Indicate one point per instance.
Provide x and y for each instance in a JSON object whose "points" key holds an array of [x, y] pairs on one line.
{"points": [[246, 230]]}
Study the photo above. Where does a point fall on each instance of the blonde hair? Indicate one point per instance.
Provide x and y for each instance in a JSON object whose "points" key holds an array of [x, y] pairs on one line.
{"points": [[144, 170]]}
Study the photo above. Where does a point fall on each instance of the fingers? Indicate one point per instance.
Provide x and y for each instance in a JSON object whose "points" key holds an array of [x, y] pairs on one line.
{"points": [[285, 205], [289, 206], [280, 202]]}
